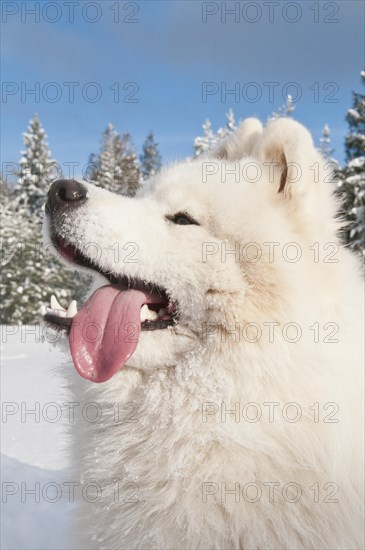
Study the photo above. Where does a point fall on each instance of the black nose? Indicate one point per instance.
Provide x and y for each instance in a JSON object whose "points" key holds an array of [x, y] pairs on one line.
{"points": [[65, 194]]}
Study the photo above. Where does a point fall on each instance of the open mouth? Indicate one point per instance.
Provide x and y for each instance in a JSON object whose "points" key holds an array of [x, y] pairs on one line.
{"points": [[105, 332]]}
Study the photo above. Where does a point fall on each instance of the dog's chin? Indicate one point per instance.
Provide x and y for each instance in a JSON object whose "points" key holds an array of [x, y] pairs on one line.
{"points": [[162, 348]]}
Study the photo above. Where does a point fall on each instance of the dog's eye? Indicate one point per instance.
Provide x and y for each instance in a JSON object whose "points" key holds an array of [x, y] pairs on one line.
{"points": [[182, 218]]}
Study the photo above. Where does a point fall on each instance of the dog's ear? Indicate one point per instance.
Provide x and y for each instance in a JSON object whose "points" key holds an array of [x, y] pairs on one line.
{"points": [[241, 142], [288, 148], [298, 174]]}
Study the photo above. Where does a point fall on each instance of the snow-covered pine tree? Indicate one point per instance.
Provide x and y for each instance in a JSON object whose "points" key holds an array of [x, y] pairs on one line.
{"points": [[30, 274], [127, 169], [150, 160], [327, 151], [231, 122], [5, 191], [23, 286], [93, 169], [10, 225], [103, 165], [115, 168], [355, 139], [285, 110], [352, 176], [209, 140], [325, 147], [108, 160], [37, 168]]}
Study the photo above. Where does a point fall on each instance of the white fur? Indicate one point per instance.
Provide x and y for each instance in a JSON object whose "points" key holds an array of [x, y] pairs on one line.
{"points": [[170, 454]]}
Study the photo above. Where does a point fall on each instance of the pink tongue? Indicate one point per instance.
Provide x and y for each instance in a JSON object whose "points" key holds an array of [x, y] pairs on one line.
{"points": [[105, 332]]}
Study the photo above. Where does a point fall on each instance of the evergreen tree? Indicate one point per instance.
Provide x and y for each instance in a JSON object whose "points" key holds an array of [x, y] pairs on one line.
{"points": [[108, 160], [327, 151], [5, 190], [231, 122], [115, 168], [355, 139], [209, 140], [352, 176], [36, 167], [93, 169], [325, 143], [286, 110], [127, 165], [204, 143], [30, 274], [150, 159]]}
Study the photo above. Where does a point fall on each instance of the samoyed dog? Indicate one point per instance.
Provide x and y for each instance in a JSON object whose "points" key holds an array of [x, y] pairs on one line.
{"points": [[220, 353]]}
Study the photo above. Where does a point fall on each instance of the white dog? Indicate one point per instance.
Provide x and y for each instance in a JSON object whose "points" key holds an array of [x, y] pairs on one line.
{"points": [[225, 325]]}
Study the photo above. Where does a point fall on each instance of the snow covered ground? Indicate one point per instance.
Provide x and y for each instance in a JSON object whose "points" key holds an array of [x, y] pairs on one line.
{"points": [[36, 508]]}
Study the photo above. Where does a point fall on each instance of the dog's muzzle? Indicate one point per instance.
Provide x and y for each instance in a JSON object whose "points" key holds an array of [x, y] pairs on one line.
{"points": [[64, 195], [124, 304]]}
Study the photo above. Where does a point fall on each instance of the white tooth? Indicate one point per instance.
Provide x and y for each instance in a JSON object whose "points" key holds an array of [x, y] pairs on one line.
{"points": [[144, 312], [55, 304], [162, 312], [152, 315], [72, 309]]}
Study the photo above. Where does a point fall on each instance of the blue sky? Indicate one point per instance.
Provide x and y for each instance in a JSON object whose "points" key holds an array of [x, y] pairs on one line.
{"points": [[162, 53]]}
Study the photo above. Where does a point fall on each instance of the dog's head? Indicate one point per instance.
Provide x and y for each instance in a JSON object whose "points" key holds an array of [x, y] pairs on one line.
{"points": [[192, 253]]}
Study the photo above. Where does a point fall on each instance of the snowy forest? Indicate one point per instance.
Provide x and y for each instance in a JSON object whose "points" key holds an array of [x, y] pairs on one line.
{"points": [[30, 273]]}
